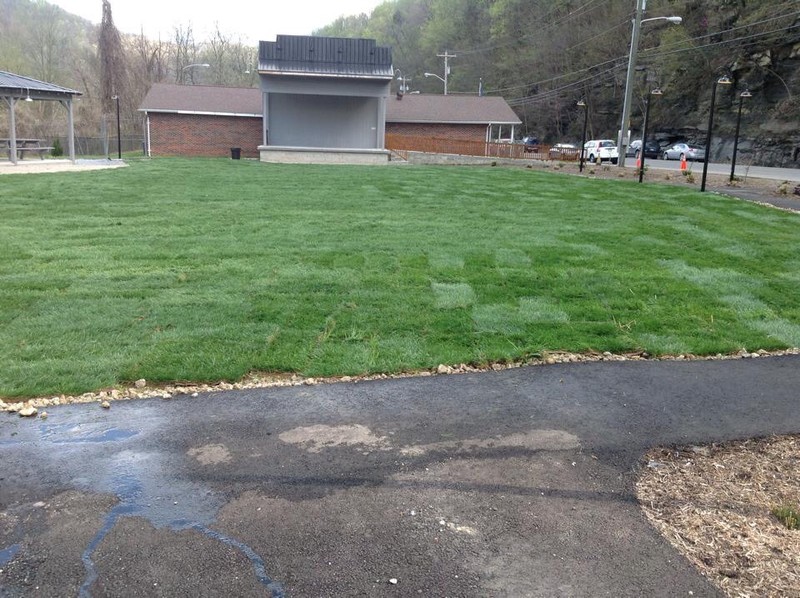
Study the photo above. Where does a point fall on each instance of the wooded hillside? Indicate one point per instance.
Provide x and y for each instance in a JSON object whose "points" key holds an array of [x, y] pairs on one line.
{"points": [[541, 56], [545, 56]]}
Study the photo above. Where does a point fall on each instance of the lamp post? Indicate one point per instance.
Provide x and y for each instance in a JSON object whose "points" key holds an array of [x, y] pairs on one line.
{"points": [[403, 82], [203, 65], [440, 79], [585, 107], [745, 94], [724, 80], [119, 138], [626, 110], [653, 92]]}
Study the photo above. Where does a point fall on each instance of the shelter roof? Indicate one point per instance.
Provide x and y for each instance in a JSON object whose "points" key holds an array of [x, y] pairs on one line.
{"points": [[203, 99], [20, 86], [325, 57]]}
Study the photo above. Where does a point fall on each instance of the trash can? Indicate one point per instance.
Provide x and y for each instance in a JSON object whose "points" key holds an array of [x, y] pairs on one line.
{"points": [[236, 153]]}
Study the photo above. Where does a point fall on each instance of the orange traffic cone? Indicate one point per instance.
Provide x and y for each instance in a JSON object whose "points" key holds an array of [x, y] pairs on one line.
{"points": [[683, 163]]}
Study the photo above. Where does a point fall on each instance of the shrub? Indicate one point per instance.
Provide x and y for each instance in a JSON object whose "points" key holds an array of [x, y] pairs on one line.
{"points": [[57, 149], [788, 516]]}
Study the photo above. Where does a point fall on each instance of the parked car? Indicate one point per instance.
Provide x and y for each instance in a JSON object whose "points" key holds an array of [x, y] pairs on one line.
{"points": [[604, 149], [651, 150], [679, 150], [530, 144], [563, 151]]}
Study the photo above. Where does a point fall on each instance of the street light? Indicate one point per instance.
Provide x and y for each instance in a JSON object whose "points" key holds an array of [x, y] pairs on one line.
{"points": [[724, 80], [643, 151], [440, 79], [119, 139], [626, 110], [203, 65], [585, 107], [401, 78], [745, 94]]}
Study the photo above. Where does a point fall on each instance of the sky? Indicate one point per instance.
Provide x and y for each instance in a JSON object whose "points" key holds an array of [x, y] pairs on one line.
{"points": [[249, 19]]}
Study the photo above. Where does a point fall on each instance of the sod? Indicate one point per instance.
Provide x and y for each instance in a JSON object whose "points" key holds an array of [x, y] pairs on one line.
{"points": [[204, 270]]}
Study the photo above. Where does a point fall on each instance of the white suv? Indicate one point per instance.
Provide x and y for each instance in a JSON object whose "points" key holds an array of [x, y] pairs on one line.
{"points": [[602, 149]]}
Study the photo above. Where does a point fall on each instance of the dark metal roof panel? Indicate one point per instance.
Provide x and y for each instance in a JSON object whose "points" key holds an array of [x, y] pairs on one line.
{"points": [[327, 56], [21, 82]]}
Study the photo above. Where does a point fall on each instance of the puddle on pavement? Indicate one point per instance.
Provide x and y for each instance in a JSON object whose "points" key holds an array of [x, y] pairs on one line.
{"points": [[70, 434], [7, 554], [142, 482]]}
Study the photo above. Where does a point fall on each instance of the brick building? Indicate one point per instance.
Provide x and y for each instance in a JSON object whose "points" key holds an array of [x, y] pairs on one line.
{"points": [[457, 117], [194, 120]]}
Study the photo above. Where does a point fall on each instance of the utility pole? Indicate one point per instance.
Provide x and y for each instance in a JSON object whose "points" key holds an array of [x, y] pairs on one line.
{"points": [[446, 56], [623, 141]]}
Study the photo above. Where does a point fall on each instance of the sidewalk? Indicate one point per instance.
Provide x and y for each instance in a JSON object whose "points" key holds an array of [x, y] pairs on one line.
{"points": [[511, 483]]}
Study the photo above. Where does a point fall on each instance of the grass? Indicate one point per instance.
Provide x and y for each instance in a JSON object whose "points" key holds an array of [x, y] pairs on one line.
{"points": [[789, 516], [202, 270]]}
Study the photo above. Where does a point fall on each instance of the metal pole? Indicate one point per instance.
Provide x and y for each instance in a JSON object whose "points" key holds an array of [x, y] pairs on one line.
{"points": [[119, 138], [583, 136], [708, 135], [742, 96], [622, 144], [642, 152]]}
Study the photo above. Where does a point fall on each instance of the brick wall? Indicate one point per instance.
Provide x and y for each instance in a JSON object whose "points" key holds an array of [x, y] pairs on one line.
{"points": [[460, 132], [200, 135]]}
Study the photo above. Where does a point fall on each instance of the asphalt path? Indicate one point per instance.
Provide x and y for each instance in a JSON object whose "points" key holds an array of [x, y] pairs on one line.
{"points": [[510, 483], [742, 170]]}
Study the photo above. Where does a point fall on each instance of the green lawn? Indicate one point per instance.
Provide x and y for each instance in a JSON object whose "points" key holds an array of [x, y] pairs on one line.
{"points": [[201, 270]]}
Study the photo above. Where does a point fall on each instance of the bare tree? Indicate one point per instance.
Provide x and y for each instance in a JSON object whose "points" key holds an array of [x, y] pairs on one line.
{"points": [[185, 52], [219, 47], [112, 61]]}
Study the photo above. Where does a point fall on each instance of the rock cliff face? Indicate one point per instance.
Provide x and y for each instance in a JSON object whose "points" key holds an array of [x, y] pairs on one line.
{"points": [[769, 132]]}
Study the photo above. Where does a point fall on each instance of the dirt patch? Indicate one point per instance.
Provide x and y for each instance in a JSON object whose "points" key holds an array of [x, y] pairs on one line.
{"points": [[715, 505]]}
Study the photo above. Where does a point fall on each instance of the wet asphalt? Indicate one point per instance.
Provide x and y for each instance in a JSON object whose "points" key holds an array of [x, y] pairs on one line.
{"points": [[510, 483]]}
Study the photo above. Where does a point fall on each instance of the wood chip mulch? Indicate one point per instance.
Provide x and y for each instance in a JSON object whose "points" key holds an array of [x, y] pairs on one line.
{"points": [[714, 504]]}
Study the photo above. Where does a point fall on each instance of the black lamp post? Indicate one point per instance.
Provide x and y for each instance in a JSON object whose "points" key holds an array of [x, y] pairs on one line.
{"points": [[119, 138], [745, 94], [583, 137], [643, 150], [721, 81]]}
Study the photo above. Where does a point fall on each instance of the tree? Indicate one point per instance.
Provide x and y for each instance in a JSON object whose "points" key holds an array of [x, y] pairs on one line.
{"points": [[112, 61]]}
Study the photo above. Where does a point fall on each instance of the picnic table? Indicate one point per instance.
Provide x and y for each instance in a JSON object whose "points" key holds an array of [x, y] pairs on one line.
{"points": [[25, 146]]}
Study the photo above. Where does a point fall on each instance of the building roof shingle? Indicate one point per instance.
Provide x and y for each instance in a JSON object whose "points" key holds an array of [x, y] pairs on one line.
{"points": [[412, 108], [203, 99], [454, 109]]}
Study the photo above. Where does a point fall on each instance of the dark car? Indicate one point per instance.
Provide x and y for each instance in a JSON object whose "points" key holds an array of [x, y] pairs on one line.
{"points": [[530, 144], [652, 149]]}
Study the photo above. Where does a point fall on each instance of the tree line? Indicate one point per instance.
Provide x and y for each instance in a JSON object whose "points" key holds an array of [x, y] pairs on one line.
{"points": [[542, 57], [42, 41]]}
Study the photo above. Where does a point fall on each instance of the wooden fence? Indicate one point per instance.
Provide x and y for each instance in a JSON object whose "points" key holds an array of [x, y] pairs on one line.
{"points": [[489, 149]]}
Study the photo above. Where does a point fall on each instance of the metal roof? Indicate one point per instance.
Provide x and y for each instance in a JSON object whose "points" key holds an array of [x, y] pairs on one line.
{"points": [[20, 86], [413, 108], [203, 99], [325, 56]]}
